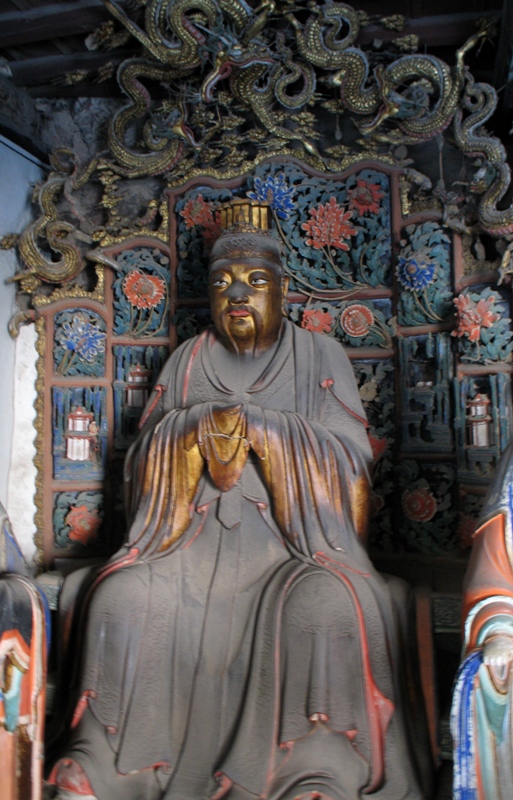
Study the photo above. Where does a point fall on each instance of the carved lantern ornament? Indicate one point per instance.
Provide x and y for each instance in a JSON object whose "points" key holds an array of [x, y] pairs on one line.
{"points": [[139, 385], [81, 433], [479, 420]]}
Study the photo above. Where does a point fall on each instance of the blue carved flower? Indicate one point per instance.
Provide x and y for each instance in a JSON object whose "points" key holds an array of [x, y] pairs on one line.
{"points": [[83, 337], [275, 191], [415, 273]]}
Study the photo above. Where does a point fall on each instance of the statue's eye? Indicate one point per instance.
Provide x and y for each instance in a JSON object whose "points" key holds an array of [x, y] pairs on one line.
{"points": [[220, 282], [259, 281]]}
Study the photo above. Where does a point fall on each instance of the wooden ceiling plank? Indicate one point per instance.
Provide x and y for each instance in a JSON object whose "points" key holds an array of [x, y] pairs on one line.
{"points": [[22, 5], [503, 68], [63, 47], [76, 18], [43, 70], [20, 121], [444, 30]]}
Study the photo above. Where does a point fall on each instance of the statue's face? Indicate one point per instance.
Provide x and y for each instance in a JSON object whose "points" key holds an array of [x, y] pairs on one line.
{"points": [[246, 300]]}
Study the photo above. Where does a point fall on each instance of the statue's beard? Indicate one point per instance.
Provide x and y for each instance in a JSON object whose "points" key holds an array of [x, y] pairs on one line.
{"points": [[248, 344], [245, 343]]}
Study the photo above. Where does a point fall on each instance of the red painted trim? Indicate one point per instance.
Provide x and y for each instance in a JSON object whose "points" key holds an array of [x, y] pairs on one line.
{"points": [[327, 383], [159, 390], [201, 510], [68, 775], [328, 562], [225, 784], [379, 708], [81, 707], [277, 677]]}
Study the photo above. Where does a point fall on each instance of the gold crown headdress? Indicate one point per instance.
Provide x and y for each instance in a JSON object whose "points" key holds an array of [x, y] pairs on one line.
{"points": [[243, 215], [246, 232]]}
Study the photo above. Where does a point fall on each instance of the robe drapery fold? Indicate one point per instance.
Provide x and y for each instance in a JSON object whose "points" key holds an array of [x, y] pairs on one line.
{"points": [[243, 623]]}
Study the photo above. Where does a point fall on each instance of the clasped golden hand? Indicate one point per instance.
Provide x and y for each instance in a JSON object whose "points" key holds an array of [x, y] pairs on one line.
{"points": [[223, 444]]}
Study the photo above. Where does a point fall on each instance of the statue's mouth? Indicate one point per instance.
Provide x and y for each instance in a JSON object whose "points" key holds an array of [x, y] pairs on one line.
{"points": [[238, 312]]}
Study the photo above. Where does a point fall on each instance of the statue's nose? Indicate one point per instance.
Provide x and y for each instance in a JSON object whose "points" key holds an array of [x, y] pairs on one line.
{"points": [[237, 292]]}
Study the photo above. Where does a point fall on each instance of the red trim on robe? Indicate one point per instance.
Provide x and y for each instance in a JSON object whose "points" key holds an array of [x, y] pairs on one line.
{"points": [[158, 390], [327, 383], [81, 707], [379, 708], [69, 776], [489, 572]]}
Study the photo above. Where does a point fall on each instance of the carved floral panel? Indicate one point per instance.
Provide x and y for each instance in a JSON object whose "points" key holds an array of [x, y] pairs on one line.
{"points": [[100, 364], [336, 233], [141, 293], [77, 519]]}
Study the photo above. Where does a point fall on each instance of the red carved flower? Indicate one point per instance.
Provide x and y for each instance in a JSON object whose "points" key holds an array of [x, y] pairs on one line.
{"points": [[316, 320], [419, 504], [466, 528], [329, 226], [473, 316], [212, 230], [365, 197], [198, 212], [378, 446], [84, 523], [142, 290], [356, 320]]}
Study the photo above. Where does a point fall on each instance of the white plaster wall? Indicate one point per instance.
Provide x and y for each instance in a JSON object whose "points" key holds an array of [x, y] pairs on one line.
{"points": [[18, 173]]}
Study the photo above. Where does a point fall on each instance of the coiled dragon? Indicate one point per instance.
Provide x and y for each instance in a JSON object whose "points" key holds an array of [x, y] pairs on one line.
{"points": [[493, 178], [58, 234], [175, 58], [424, 76]]}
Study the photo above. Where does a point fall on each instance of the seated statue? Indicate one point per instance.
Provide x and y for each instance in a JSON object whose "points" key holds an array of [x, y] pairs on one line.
{"points": [[482, 724], [242, 645]]}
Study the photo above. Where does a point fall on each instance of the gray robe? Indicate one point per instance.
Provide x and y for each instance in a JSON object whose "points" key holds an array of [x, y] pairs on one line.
{"points": [[247, 659]]}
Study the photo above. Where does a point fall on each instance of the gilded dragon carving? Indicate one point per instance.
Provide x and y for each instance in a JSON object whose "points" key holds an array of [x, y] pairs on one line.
{"points": [[261, 68], [260, 78], [58, 234], [493, 177], [162, 152]]}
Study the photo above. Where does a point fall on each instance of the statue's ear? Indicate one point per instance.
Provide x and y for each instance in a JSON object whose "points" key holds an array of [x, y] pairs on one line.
{"points": [[284, 292]]}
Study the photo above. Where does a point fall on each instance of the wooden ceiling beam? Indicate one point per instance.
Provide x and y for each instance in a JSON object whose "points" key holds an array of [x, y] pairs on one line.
{"points": [[47, 69], [77, 18], [503, 69], [443, 30], [80, 17], [20, 121]]}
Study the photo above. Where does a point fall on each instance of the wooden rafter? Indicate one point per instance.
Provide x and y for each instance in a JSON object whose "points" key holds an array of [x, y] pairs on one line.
{"points": [[77, 18]]}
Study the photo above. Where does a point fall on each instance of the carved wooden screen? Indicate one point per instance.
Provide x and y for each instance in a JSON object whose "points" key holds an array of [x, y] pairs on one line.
{"points": [[100, 355], [382, 278], [385, 280]]}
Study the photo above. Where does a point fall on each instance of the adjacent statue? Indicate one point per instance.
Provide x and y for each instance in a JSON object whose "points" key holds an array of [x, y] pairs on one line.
{"points": [[242, 645], [482, 715]]}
